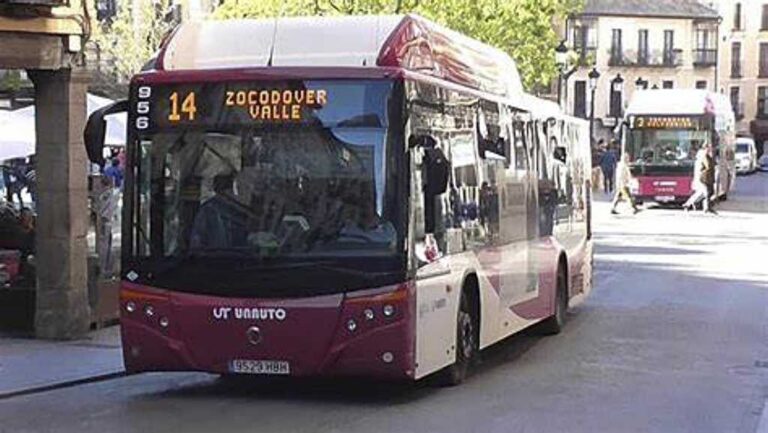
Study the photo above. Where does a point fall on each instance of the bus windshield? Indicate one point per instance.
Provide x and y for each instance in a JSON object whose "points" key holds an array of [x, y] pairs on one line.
{"points": [[665, 146], [272, 196]]}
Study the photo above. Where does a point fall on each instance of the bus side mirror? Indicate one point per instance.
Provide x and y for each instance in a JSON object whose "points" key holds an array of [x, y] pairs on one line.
{"points": [[96, 129], [437, 172]]}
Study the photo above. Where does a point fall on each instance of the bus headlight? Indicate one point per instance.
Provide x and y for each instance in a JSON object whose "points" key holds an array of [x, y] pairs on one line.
{"points": [[389, 310], [351, 325]]}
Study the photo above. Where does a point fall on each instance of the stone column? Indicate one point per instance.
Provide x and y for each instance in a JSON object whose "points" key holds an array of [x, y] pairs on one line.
{"points": [[62, 310]]}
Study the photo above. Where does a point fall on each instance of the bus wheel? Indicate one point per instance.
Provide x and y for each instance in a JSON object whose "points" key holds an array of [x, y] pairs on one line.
{"points": [[466, 344], [555, 323]]}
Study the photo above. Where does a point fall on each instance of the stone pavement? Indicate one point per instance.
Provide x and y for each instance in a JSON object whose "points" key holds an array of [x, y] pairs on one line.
{"points": [[28, 365]]}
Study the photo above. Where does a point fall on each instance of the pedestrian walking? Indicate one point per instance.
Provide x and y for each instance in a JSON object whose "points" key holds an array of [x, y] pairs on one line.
{"points": [[703, 168], [623, 176], [608, 163]]}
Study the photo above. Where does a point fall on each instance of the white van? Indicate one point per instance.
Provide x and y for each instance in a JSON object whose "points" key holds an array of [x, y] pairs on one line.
{"points": [[746, 155]]}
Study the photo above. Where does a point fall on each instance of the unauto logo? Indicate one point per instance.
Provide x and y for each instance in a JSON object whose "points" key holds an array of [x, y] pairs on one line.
{"points": [[245, 313]]}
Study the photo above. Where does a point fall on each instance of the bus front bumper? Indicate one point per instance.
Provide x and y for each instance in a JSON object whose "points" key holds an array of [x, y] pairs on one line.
{"points": [[316, 337]]}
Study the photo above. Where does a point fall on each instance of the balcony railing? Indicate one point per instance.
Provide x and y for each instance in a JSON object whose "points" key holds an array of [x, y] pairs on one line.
{"points": [[587, 55], [704, 57], [653, 59]]}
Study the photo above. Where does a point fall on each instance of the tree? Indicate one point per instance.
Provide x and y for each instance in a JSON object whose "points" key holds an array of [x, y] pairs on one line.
{"points": [[133, 36], [522, 28]]}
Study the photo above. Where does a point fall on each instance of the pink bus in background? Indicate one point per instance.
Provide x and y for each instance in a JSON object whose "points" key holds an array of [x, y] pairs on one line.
{"points": [[664, 129], [357, 196]]}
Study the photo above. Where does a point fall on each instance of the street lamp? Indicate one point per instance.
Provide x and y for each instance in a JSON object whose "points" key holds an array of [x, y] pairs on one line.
{"points": [[617, 87], [593, 77], [561, 60]]}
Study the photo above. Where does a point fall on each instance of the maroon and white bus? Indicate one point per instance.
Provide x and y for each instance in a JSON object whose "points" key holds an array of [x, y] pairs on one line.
{"points": [[362, 196], [664, 130]]}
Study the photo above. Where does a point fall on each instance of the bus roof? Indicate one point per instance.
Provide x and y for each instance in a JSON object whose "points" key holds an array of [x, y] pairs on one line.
{"points": [[403, 41], [541, 107], [677, 102]]}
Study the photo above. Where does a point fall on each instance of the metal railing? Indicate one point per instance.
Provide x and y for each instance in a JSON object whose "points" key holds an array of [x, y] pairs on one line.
{"points": [[704, 57], [587, 55], [651, 59]]}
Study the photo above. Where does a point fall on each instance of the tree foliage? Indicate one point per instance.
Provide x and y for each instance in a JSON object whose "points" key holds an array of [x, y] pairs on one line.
{"points": [[525, 29], [133, 36]]}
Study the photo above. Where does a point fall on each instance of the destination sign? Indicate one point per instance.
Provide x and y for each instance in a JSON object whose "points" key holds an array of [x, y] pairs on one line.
{"points": [[205, 104], [276, 105], [667, 122]]}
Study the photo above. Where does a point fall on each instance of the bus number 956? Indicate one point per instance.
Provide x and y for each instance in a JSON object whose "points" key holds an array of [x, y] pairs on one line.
{"points": [[142, 107]]}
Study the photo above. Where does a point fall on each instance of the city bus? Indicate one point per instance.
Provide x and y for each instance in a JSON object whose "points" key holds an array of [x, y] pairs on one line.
{"points": [[664, 129], [368, 196]]}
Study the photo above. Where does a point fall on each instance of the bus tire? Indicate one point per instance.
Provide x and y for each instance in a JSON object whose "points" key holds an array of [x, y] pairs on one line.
{"points": [[466, 343], [556, 322]]}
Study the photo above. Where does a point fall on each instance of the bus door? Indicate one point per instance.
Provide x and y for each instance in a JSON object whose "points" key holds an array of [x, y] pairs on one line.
{"points": [[517, 282]]}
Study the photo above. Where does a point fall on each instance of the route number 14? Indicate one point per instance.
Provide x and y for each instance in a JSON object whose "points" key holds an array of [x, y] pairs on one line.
{"points": [[188, 107]]}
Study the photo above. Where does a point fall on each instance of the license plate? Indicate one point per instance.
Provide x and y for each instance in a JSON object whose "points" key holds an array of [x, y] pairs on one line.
{"points": [[249, 366], [664, 198]]}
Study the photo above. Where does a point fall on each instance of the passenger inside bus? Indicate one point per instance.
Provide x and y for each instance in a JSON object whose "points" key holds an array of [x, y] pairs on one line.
{"points": [[296, 192], [221, 220]]}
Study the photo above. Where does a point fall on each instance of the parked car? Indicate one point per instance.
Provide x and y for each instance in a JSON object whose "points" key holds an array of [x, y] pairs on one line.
{"points": [[746, 155]]}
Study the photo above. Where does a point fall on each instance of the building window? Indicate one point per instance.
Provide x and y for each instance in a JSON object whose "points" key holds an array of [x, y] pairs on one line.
{"points": [[667, 84], [584, 42], [669, 47], [580, 99], [763, 73], [616, 50], [705, 52], [737, 17], [736, 60], [701, 84], [735, 102], [762, 98], [764, 20], [642, 47]]}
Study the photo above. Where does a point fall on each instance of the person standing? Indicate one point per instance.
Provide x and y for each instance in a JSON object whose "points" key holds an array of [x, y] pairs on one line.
{"points": [[623, 176], [115, 173], [608, 163], [708, 177]]}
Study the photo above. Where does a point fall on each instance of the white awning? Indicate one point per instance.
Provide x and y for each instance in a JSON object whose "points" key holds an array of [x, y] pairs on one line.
{"points": [[17, 129]]}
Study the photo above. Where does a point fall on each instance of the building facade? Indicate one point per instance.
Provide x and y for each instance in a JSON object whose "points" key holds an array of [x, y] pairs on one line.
{"points": [[663, 44], [744, 64]]}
